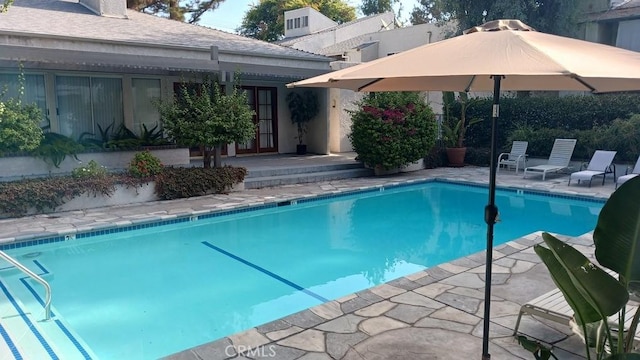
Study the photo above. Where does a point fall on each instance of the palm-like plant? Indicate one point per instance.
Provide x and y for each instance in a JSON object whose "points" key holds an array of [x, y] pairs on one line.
{"points": [[593, 294]]}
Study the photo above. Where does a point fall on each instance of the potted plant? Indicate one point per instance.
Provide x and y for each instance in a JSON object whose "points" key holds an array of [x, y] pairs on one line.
{"points": [[454, 129], [303, 107]]}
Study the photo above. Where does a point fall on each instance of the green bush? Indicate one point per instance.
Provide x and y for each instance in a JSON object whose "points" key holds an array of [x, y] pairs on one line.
{"points": [[478, 156], [567, 112], [19, 127], [175, 183], [437, 157], [392, 129], [144, 164], [622, 135], [91, 170]]}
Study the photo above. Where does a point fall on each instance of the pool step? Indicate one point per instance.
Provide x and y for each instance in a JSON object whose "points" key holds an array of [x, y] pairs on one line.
{"points": [[305, 177], [24, 332]]}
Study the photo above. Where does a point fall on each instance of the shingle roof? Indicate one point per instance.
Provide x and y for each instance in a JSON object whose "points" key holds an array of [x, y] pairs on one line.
{"points": [[68, 18], [341, 47]]}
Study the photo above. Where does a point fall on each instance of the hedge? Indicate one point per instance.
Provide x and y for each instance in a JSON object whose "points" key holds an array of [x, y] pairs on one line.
{"points": [[540, 119]]}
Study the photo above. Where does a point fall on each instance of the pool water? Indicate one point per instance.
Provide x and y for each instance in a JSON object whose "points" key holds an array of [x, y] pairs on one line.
{"points": [[148, 293]]}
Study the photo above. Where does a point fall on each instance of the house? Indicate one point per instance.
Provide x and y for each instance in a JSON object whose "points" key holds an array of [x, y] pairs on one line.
{"points": [[90, 63], [352, 43], [612, 22]]}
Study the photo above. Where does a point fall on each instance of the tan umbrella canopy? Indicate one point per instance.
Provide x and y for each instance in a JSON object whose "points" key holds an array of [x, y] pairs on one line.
{"points": [[527, 60], [501, 54]]}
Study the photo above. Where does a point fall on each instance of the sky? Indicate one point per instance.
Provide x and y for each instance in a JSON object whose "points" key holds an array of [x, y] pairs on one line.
{"points": [[228, 16]]}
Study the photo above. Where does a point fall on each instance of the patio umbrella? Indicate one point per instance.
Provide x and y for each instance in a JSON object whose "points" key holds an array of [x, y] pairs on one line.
{"points": [[499, 55]]}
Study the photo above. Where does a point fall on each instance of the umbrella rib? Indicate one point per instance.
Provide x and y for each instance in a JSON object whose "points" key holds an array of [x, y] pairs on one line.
{"points": [[578, 79], [473, 78], [369, 84]]}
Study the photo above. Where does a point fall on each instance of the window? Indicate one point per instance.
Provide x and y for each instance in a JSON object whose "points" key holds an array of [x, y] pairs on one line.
{"points": [[144, 112], [88, 104], [297, 23], [305, 21], [289, 24], [33, 91]]}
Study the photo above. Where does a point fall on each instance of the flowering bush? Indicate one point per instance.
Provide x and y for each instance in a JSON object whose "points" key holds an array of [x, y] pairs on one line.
{"points": [[91, 170], [144, 164], [392, 129]]}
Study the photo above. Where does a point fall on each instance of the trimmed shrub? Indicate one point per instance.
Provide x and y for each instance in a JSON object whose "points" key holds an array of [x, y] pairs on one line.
{"points": [[176, 183]]}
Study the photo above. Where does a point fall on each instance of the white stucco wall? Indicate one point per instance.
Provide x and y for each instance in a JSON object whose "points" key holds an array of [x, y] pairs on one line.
{"points": [[339, 34], [401, 39], [317, 22], [318, 128]]}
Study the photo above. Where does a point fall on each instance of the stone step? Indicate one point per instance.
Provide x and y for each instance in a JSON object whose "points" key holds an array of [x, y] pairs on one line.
{"points": [[262, 172], [308, 177]]}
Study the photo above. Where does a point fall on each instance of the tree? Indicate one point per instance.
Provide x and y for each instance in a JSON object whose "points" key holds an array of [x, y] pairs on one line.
{"points": [[5, 6], [553, 16], [207, 118], [176, 10], [265, 21], [372, 7]]}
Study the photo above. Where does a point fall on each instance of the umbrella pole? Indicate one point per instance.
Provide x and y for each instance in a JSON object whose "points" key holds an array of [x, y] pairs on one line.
{"points": [[491, 216]]}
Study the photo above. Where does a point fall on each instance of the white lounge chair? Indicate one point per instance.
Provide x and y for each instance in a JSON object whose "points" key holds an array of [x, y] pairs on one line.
{"points": [[635, 172], [517, 155], [558, 159], [553, 306], [601, 163]]}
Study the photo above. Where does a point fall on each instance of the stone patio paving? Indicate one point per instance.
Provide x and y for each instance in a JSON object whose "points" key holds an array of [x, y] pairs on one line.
{"points": [[433, 314]]}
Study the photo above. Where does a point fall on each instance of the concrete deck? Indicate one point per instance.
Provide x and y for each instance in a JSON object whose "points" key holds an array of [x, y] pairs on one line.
{"points": [[433, 314]]}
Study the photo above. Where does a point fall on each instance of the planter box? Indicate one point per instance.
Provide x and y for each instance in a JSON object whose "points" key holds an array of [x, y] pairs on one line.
{"points": [[414, 166], [122, 196], [16, 167]]}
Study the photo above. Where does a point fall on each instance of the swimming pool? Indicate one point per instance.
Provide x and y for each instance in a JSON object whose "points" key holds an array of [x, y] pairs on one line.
{"points": [[153, 291]]}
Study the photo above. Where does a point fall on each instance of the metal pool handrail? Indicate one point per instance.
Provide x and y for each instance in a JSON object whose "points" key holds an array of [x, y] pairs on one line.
{"points": [[36, 277]]}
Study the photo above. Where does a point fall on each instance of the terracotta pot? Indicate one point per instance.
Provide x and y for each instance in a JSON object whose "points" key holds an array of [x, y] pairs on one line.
{"points": [[456, 156]]}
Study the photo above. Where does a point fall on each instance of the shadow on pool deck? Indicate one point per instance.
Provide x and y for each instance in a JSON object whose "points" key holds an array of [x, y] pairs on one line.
{"points": [[433, 314]]}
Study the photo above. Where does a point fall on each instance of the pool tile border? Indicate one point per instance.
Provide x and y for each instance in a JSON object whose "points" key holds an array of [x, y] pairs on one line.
{"points": [[122, 226]]}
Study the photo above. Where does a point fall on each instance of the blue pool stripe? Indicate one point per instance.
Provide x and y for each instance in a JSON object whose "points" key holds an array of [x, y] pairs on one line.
{"points": [[42, 268], [33, 292], [33, 329], [64, 329], [14, 350], [265, 271], [73, 339]]}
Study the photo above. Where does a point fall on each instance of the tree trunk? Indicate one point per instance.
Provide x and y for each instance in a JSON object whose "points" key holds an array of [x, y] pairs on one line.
{"points": [[206, 157], [217, 158]]}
